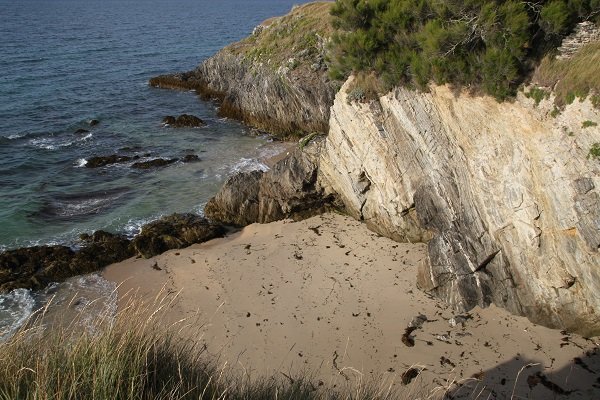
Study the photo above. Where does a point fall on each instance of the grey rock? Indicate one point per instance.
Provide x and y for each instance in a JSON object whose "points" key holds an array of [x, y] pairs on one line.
{"points": [[507, 203], [288, 190]]}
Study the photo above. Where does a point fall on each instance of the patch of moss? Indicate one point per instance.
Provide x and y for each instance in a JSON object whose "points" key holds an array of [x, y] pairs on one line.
{"points": [[594, 151], [537, 94]]}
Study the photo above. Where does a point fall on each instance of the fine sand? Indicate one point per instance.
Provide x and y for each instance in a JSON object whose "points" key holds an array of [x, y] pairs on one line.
{"points": [[328, 298]]}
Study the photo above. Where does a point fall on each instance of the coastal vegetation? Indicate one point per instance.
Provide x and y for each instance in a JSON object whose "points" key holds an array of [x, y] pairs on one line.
{"points": [[486, 46], [576, 77]]}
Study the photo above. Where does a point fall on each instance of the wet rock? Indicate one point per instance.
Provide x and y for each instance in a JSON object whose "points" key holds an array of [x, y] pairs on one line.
{"points": [[174, 232], [81, 131], [102, 161], [93, 122], [190, 158], [36, 267], [183, 121], [288, 190], [157, 162], [101, 249]]}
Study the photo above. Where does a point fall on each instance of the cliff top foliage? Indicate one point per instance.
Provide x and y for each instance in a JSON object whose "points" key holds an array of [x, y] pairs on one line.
{"points": [[485, 45], [289, 40]]}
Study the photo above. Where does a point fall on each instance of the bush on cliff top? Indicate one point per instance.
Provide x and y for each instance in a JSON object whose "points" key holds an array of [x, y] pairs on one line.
{"points": [[481, 44]]}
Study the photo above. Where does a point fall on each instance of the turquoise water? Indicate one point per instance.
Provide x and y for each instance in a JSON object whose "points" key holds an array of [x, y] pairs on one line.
{"points": [[66, 62]]}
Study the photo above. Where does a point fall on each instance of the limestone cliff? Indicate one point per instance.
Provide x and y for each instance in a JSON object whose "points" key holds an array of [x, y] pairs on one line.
{"points": [[507, 193], [276, 79]]}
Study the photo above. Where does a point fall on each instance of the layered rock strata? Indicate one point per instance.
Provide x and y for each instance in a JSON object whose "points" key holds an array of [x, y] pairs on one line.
{"points": [[507, 193]]}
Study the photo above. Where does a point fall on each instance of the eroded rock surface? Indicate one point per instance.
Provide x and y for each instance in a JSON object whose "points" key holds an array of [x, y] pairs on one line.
{"points": [[508, 197], [288, 190]]}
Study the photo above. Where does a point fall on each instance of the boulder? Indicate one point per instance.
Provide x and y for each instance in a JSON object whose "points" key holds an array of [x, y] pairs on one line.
{"points": [[157, 162], [174, 232], [183, 121], [81, 131], [190, 158], [102, 161], [288, 190], [93, 122]]}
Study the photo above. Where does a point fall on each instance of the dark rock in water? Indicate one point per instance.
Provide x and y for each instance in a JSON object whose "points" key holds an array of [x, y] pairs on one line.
{"points": [[174, 232], [190, 158], [35, 267], [157, 162], [169, 120], [81, 131], [102, 161], [183, 121], [288, 190], [93, 122]]}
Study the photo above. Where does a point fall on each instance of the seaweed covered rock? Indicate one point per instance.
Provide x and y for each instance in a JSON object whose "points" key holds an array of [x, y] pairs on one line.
{"points": [[35, 267], [183, 121], [174, 232]]}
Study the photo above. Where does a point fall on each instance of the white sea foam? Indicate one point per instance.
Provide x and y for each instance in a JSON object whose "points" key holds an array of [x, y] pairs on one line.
{"points": [[15, 307], [81, 162], [248, 164], [16, 136]]}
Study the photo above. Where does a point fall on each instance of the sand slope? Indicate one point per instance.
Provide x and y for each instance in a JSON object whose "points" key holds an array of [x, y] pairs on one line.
{"points": [[328, 297]]}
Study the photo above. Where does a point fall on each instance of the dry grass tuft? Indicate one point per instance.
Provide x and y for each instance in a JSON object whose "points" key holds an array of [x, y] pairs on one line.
{"points": [[575, 77]]}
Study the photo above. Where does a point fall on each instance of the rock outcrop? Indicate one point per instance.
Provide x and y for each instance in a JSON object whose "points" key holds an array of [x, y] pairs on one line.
{"points": [[36, 267], [288, 190], [183, 121], [506, 192], [275, 80], [174, 232]]}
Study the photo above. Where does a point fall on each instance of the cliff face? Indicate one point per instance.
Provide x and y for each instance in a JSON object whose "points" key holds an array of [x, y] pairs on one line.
{"points": [[507, 194], [276, 79]]}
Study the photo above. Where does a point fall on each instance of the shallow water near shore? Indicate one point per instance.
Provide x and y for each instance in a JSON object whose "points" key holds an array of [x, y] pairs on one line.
{"points": [[65, 63]]}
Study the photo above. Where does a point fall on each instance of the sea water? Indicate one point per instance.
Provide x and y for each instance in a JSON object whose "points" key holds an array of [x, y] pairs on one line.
{"points": [[64, 63]]}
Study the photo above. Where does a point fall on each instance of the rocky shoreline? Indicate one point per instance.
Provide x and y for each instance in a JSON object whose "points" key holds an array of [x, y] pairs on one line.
{"points": [[36, 267], [419, 167], [471, 177]]}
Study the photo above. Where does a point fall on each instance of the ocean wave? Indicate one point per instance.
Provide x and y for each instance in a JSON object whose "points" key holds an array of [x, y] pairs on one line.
{"points": [[15, 308], [247, 165], [86, 300], [80, 204], [53, 143], [134, 226]]}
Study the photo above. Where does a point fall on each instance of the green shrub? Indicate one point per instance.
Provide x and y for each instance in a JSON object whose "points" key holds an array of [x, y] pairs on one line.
{"points": [[537, 94], [485, 44], [588, 124], [594, 151]]}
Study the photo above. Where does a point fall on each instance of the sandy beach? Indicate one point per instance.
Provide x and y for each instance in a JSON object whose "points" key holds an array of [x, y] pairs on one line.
{"points": [[330, 299]]}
